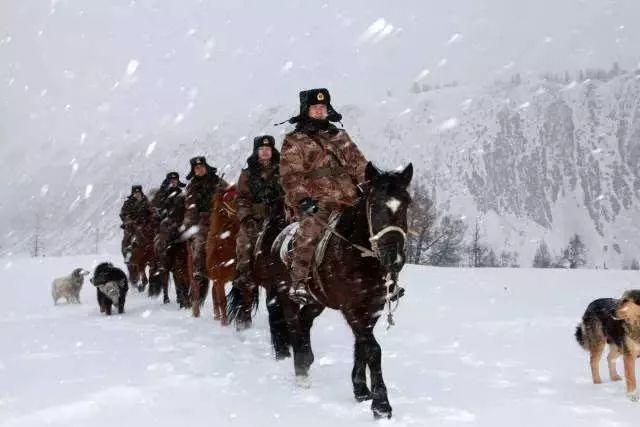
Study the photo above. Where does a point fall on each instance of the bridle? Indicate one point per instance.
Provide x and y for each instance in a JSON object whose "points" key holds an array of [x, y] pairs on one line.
{"points": [[375, 237]]}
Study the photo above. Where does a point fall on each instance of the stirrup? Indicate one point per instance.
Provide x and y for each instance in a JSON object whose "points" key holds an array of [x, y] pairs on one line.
{"points": [[299, 294]]}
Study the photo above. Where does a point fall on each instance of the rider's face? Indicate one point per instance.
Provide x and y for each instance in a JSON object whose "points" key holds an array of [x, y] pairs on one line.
{"points": [[137, 195], [318, 111], [264, 154], [200, 170], [173, 183]]}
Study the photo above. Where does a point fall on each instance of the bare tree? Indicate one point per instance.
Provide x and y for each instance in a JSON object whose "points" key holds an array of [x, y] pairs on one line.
{"points": [[421, 219], [37, 244], [476, 250], [448, 246]]}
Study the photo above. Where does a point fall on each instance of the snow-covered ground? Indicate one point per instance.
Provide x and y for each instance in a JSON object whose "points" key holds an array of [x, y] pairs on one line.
{"points": [[471, 347]]}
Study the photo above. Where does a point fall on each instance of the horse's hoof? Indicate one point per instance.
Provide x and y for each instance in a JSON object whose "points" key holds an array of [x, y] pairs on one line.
{"points": [[303, 381], [381, 410], [282, 355], [363, 397], [166, 300]]}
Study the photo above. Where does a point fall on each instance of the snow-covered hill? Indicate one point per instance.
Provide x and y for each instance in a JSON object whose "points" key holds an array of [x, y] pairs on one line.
{"points": [[485, 347], [535, 160]]}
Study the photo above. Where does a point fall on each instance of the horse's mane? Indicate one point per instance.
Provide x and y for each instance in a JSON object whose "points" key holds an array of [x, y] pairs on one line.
{"points": [[347, 225]]}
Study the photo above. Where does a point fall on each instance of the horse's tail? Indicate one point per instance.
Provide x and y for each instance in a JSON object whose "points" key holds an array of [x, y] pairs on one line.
{"points": [[235, 303], [240, 305], [255, 299]]}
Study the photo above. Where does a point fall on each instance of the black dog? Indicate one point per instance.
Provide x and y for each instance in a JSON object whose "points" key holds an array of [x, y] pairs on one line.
{"points": [[112, 286]]}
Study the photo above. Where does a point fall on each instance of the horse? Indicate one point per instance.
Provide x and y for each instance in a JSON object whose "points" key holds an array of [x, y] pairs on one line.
{"points": [[174, 262], [366, 248], [221, 248], [143, 256], [268, 272]]}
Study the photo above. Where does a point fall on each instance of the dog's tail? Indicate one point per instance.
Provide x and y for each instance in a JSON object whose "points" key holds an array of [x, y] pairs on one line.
{"points": [[580, 335]]}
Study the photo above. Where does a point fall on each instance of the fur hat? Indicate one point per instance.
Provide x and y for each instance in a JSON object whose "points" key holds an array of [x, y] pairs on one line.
{"points": [[314, 97], [169, 177], [199, 160], [263, 141], [135, 188]]}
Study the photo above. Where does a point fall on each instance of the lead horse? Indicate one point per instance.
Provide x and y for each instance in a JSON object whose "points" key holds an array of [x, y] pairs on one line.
{"points": [[367, 247]]}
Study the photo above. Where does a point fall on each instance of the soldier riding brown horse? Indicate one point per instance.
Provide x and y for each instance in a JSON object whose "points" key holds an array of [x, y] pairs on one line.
{"points": [[137, 242], [204, 182], [171, 254]]}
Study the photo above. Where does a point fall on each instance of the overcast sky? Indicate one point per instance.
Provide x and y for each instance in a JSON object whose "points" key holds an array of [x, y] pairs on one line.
{"points": [[110, 67]]}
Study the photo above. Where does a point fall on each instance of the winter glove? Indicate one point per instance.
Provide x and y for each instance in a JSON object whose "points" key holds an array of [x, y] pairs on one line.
{"points": [[308, 206]]}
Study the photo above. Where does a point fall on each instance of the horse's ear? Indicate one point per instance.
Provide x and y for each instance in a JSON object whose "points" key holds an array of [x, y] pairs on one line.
{"points": [[406, 175], [371, 173]]}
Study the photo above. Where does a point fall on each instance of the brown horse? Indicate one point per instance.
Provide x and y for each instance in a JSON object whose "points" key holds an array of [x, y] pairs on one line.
{"points": [[221, 248], [143, 256], [367, 247]]}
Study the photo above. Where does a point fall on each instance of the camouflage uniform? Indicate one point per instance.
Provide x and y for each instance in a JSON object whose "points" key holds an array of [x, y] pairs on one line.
{"points": [[258, 187], [133, 212], [198, 202], [320, 162]]}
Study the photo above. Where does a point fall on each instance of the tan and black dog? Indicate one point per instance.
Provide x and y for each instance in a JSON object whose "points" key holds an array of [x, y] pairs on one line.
{"points": [[615, 322]]}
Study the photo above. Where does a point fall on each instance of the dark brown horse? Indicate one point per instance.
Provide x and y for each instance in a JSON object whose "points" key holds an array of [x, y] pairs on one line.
{"points": [[173, 259], [270, 273], [143, 257], [375, 226]]}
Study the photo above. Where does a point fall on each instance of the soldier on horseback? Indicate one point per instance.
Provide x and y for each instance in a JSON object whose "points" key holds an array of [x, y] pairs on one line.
{"points": [[320, 170], [169, 208], [258, 188], [135, 211], [203, 185]]}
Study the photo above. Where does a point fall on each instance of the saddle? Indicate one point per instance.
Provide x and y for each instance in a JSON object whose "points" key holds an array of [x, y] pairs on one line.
{"points": [[283, 244]]}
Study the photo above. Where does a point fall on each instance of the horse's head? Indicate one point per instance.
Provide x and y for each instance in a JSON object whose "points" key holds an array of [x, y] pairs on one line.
{"points": [[387, 200]]}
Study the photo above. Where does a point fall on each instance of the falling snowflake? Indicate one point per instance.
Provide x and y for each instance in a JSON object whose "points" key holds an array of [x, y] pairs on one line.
{"points": [[132, 67], [454, 38], [87, 191], [150, 149]]}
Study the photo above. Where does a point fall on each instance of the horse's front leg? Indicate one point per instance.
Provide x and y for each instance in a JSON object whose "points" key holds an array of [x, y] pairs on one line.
{"points": [[380, 404], [277, 323], [359, 373], [303, 354], [164, 276]]}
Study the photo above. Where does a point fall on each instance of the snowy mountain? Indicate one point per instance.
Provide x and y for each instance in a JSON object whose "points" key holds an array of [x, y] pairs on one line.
{"points": [[532, 160]]}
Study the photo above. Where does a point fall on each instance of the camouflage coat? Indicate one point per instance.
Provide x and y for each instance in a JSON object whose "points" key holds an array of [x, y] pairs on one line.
{"points": [[258, 187], [324, 165]]}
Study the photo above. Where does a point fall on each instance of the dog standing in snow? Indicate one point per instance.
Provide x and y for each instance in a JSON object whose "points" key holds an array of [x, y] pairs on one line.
{"points": [[615, 322], [68, 287], [112, 286]]}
